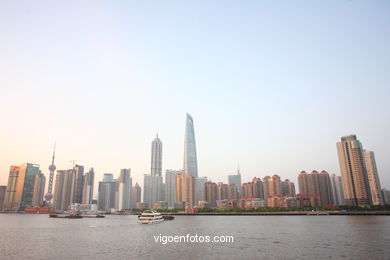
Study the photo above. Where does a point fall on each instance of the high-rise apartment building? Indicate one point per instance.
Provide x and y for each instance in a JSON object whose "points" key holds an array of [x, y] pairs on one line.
{"points": [[373, 179], [124, 189], [190, 159], [272, 186], [316, 184], [247, 190], [232, 191], [211, 191], [354, 172], [185, 189], [337, 190], [258, 190], [288, 188], [156, 157], [39, 189], [325, 189], [63, 189], [223, 191], [88, 184]]}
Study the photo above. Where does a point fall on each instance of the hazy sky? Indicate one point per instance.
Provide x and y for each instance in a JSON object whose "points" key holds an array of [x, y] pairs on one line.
{"points": [[271, 85]]}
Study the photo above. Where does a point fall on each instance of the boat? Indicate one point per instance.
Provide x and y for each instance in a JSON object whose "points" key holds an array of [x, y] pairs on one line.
{"points": [[38, 210], [72, 216], [150, 217], [93, 216], [168, 217]]}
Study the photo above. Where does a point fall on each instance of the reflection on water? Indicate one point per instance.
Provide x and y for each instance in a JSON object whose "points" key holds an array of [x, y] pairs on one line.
{"points": [[255, 237]]}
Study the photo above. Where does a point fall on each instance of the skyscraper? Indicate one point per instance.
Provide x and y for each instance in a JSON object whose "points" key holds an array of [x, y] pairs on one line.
{"points": [[316, 184], [88, 184], [78, 183], [373, 179], [232, 191], [135, 195], [185, 189], [9, 200], [124, 189], [272, 186], [386, 196], [156, 158], [190, 159], [211, 191], [353, 172], [2, 196], [153, 184], [170, 181], [288, 188], [153, 189], [25, 186], [107, 192], [337, 190], [63, 189], [200, 192], [223, 190], [248, 190], [258, 188], [236, 180], [39, 189]]}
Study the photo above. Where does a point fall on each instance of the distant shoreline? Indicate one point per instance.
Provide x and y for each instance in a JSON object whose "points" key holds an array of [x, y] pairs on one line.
{"points": [[285, 213], [281, 213]]}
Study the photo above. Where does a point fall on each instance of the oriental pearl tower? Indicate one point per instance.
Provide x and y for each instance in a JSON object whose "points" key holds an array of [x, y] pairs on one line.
{"points": [[52, 168]]}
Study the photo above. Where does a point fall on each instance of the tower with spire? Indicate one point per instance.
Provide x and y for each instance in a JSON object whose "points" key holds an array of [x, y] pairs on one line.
{"points": [[52, 168]]}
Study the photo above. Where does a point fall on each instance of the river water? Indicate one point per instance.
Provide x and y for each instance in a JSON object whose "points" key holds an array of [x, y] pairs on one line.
{"points": [[255, 237]]}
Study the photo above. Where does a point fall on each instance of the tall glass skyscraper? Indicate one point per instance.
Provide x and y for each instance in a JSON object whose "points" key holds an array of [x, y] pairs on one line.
{"points": [[190, 161], [25, 186], [156, 165]]}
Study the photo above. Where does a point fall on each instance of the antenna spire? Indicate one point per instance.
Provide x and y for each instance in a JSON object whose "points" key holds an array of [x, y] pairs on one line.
{"points": [[54, 153]]}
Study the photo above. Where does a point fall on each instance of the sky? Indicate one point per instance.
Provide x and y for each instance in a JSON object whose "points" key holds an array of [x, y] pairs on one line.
{"points": [[271, 85]]}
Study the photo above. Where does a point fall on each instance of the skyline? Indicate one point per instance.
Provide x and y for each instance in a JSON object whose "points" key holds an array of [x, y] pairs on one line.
{"points": [[156, 139], [272, 87]]}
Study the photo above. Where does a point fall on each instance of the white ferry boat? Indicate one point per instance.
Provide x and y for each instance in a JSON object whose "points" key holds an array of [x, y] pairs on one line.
{"points": [[150, 217]]}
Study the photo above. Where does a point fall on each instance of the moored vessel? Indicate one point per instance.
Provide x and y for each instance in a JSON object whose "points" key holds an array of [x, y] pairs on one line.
{"points": [[168, 217]]}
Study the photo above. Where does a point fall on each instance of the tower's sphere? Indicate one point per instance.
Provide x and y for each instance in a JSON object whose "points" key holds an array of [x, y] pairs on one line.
{"points": [[48, 196], [52, 168]]}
